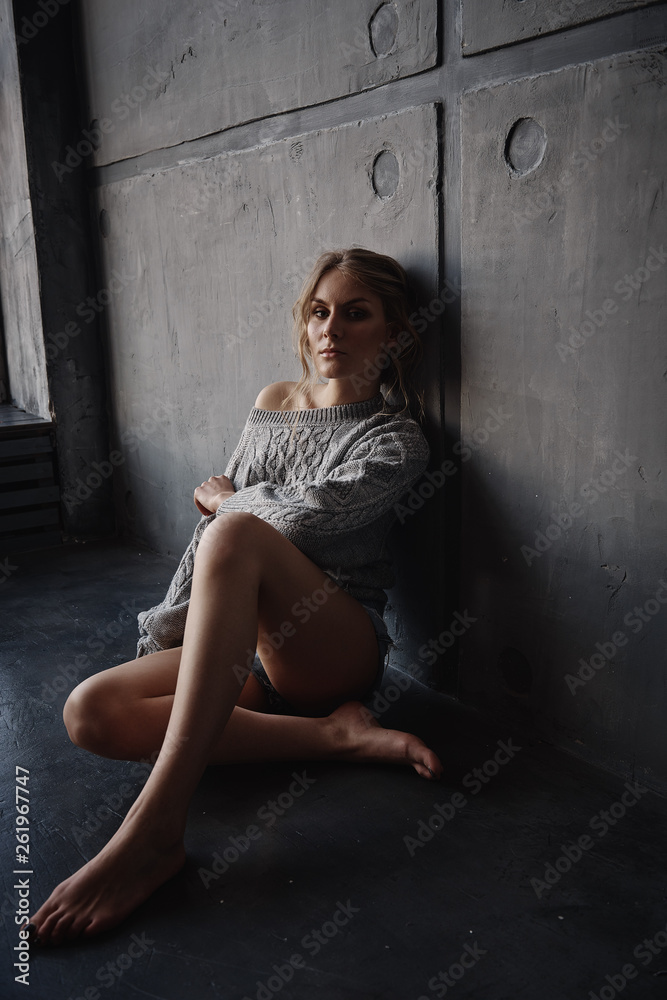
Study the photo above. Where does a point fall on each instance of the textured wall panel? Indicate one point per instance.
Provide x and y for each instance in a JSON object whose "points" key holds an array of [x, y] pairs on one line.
{"points": [[564, 393], [488, 24], [161, 74], [205, 257], [19, 280]]}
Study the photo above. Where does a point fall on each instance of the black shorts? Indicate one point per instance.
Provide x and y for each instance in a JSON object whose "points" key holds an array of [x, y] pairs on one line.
{"points": [[279, 706]]}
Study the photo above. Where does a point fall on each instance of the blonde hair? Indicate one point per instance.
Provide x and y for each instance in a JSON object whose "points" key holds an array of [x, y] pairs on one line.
{"points": [[388, 280]]}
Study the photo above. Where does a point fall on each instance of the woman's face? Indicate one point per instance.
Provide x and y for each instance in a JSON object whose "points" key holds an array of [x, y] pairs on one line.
{"points": [[347, 316]]}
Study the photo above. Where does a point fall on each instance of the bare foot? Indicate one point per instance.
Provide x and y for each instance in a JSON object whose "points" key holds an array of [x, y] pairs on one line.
{"points": [[361, 738], [112, 884]]}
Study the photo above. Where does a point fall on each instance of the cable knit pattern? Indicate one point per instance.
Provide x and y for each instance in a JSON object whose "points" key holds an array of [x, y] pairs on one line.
{"points": [[331, 490]]}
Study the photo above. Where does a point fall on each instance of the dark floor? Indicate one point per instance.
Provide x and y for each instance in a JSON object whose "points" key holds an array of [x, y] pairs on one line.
{"points": [[391, 915]]}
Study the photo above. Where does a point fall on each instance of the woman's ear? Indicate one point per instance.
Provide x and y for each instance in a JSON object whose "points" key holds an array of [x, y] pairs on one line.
{"points": [[392, 330]]}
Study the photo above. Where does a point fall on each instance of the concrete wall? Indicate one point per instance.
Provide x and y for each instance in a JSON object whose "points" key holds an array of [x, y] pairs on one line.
{"points": [[211, 237], [65, 284], [529, 183], [565, 288], [489, 24], [204, 318], [19, 281], [221, 63]]}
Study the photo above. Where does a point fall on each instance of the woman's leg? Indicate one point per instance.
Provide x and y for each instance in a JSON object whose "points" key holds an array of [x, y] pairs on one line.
{"points": [[123, 713], [248, 580]]}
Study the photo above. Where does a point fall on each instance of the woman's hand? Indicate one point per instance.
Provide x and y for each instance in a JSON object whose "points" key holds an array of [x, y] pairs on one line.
{"points": [[211, 494]]}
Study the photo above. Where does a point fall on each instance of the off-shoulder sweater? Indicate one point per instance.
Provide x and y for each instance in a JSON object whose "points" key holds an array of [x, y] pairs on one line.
{"points": [[331, 490]]}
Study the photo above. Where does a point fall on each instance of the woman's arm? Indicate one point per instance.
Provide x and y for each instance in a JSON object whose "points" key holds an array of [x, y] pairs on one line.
{"points": [[215, 490], [372, 476], [212, 493]]}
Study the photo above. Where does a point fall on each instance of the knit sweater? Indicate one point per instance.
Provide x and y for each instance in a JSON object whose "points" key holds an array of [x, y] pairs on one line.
{"points": [[331, 490]]}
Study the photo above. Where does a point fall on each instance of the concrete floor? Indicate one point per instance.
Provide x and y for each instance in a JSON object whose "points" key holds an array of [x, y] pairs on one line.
{"points": [[323, 895]]}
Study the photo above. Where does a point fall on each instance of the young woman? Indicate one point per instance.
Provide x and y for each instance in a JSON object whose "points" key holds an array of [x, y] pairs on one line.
{"points": [[289, 560]]}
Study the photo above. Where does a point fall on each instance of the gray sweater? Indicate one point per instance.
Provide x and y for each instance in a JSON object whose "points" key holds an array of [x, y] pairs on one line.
{"points": [[331, 490]]}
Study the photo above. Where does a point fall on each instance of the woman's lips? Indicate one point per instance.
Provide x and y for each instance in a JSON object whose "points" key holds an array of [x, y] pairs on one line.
{"points": [[331, 352]]}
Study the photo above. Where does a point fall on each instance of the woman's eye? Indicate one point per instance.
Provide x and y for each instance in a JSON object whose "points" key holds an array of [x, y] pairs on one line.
{"points": [[320, 312]]}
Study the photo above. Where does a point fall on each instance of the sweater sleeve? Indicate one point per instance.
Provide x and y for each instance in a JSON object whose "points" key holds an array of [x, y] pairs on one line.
{"points": [[371, 477], [162, 626]]}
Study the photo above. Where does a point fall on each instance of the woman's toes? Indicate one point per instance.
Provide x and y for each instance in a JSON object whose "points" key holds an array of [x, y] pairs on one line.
{"points": [[82, 924], [434, 768], [425, 762], [76, 928], [59, 929], [47, 924]]}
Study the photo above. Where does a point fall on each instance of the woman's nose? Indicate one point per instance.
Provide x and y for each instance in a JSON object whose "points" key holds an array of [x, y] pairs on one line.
{"points": [[332, 325]]}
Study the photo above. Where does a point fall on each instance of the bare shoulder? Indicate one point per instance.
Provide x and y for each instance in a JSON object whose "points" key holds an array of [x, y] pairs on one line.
{"points": [[271, 396]]}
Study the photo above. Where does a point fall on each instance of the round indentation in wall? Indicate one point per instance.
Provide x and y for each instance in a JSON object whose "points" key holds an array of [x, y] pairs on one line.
{"points": [[516, 670], [525, 145], [105, 223], [383, 28], [386, 173]]}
